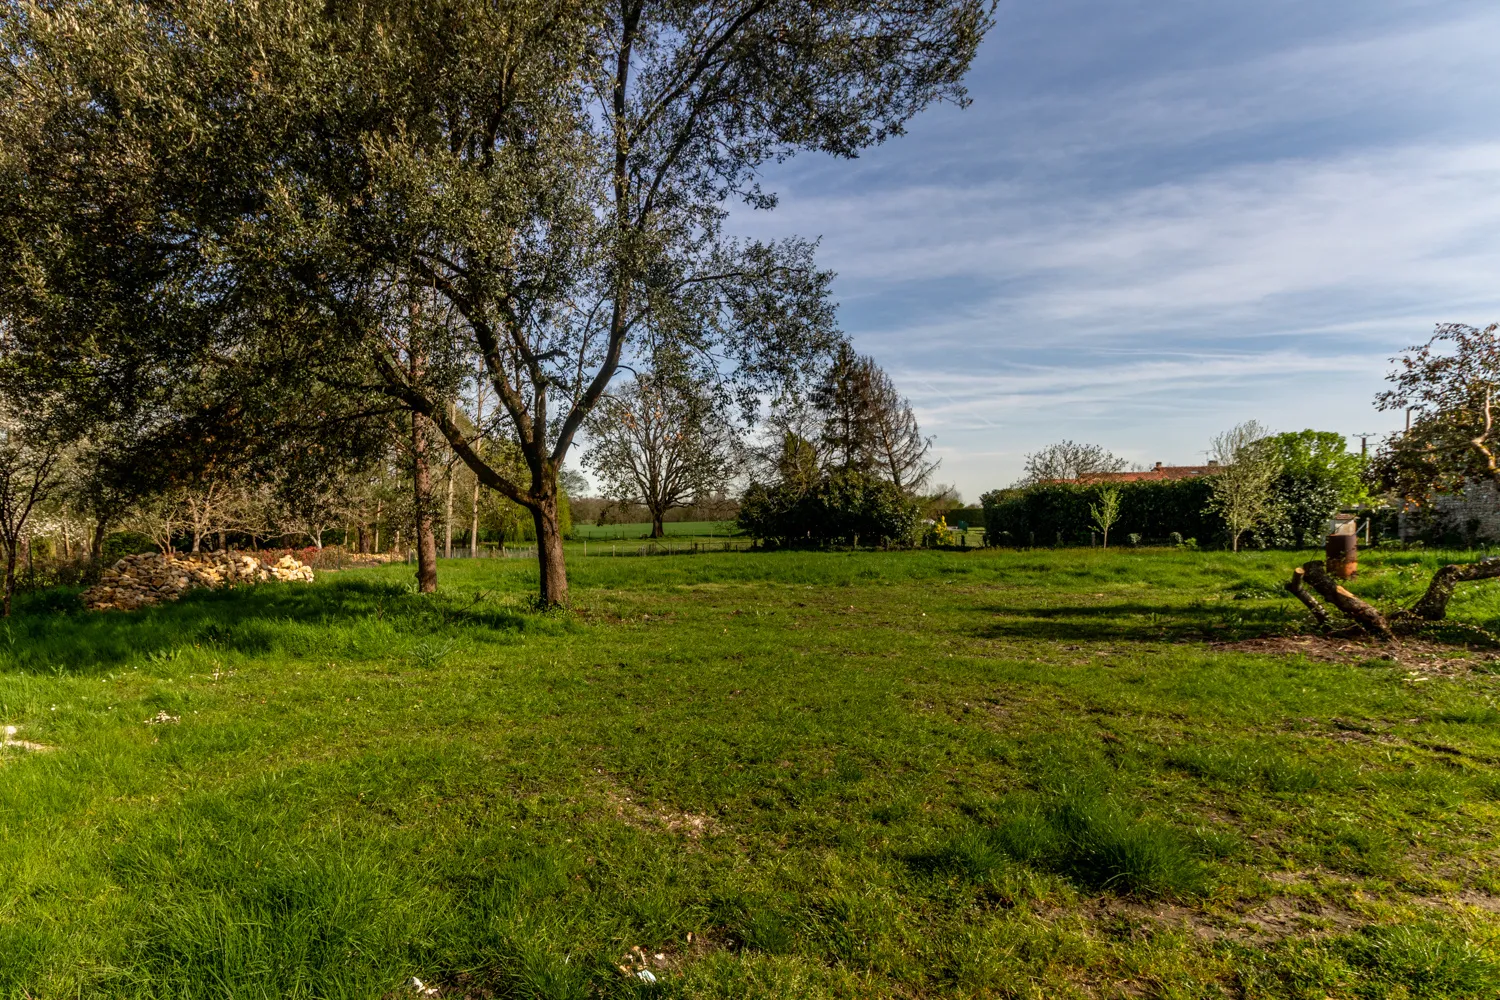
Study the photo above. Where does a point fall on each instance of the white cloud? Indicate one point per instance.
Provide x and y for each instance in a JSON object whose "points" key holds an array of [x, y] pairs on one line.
{"points": [[1410, 223], [1145, 262]]}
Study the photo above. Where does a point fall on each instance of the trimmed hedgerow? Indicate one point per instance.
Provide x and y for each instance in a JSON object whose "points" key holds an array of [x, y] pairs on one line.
{"points": [[1058, 513]]}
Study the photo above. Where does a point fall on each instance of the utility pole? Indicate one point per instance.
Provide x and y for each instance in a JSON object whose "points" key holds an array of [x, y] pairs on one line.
{"points": [[1364, 443]]}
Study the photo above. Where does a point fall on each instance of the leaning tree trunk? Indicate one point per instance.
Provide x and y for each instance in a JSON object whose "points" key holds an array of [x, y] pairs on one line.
{"points": [[549, 554], [422, 488], [1315, 576], [1434, 604]]}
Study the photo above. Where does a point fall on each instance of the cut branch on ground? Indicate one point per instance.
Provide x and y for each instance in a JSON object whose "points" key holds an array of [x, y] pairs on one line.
{"points": [[1432, 607]]}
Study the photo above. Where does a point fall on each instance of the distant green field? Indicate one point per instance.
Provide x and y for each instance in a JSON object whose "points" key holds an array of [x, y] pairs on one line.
{"points": [[910, 775], [674, 529]]}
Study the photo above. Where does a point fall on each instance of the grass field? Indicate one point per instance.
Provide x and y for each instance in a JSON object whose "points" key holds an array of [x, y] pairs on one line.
{"points": [[674, 529], [919, 774]]}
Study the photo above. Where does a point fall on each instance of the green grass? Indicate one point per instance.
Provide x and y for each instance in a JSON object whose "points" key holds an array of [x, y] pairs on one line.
{"points": [[921, 774], [674, 529]]}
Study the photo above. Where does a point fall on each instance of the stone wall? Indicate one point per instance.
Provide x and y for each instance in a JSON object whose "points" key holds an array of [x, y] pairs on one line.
{"points": [[1473, 515], [149, 578]]}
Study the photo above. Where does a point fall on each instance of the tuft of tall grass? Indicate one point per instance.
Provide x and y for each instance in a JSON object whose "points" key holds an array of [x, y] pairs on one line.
{"points": [[1430, 962], [1084, 836]]}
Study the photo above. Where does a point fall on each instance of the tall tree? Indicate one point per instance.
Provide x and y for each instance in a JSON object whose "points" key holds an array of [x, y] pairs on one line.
{"points": [[844, 397], [662, 443], [552, 174], [1067, 460], [1318, 475], [867, 425], [898, 448]]}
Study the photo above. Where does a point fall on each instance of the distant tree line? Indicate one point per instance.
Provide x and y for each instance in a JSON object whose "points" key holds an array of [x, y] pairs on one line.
{"points": [[1268, 490]]}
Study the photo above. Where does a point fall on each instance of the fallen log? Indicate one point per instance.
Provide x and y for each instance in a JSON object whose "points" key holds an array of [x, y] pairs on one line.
{"points": [[1365, 615], [1433, 606], [1301, 593]]}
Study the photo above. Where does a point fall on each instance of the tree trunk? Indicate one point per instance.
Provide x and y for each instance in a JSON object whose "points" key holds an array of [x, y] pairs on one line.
{"points": [[379, 505], [478, 431], [67, 543], [657, 531], [223, 546], [364, 538], [1434, 604], [10, 576], [1369, 619], [448, 521], [96, 544], [549, 554], [1300, 593], [422, 488]]}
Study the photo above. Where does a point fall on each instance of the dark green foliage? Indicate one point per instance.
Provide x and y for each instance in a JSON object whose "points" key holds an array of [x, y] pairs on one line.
{"points": [[1305, 500], [844, 507], [1319, 476], [1047, 512]]}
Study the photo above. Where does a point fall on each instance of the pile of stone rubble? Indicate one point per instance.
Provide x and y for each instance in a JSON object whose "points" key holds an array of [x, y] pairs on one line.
{"points": [[151, 577]]}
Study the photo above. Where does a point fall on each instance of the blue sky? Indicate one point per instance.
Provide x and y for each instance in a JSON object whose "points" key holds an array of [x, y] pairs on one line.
{"points": [[1157, 220]]}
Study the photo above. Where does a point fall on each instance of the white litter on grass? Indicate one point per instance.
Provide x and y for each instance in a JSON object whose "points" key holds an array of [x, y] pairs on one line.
{"points": [[422, 990], [161, 717], [645, 976], [9, 740]]}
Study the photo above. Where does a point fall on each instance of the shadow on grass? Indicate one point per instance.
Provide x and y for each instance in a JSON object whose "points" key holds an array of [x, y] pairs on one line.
{"points": [[353, 618], [1134, 622]]}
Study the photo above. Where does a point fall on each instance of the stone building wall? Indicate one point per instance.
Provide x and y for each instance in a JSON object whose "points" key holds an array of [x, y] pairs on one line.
{"points": [[1473, 514]]}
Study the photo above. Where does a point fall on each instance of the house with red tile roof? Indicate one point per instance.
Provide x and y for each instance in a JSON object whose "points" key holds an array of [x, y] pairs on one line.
{"points": [[1159, 473]]}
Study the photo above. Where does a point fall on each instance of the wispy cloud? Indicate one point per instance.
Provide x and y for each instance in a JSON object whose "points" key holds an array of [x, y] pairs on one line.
{"points": [[1145, 245], [960, 400], [1402, 225]]}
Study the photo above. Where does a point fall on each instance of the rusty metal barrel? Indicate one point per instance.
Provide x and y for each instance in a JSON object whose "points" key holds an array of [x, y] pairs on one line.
{"points": [[1341, 555]]}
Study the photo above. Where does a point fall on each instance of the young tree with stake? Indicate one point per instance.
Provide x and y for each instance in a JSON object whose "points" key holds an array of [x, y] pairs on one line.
{"points": [[1107, 511]]}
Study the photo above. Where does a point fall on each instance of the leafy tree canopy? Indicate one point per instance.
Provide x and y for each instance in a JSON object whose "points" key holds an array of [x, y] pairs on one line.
{"points": [[347, 205]]}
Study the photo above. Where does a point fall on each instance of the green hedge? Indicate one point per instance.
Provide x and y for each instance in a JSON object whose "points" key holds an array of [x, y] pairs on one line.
{"points": [[1046, 514]]}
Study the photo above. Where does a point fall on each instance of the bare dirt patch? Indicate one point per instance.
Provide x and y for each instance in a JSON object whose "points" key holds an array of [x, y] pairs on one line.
{"points": [[645, 815], [9, 741], [1259, 921], [1424, 656], [650, 816]]}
